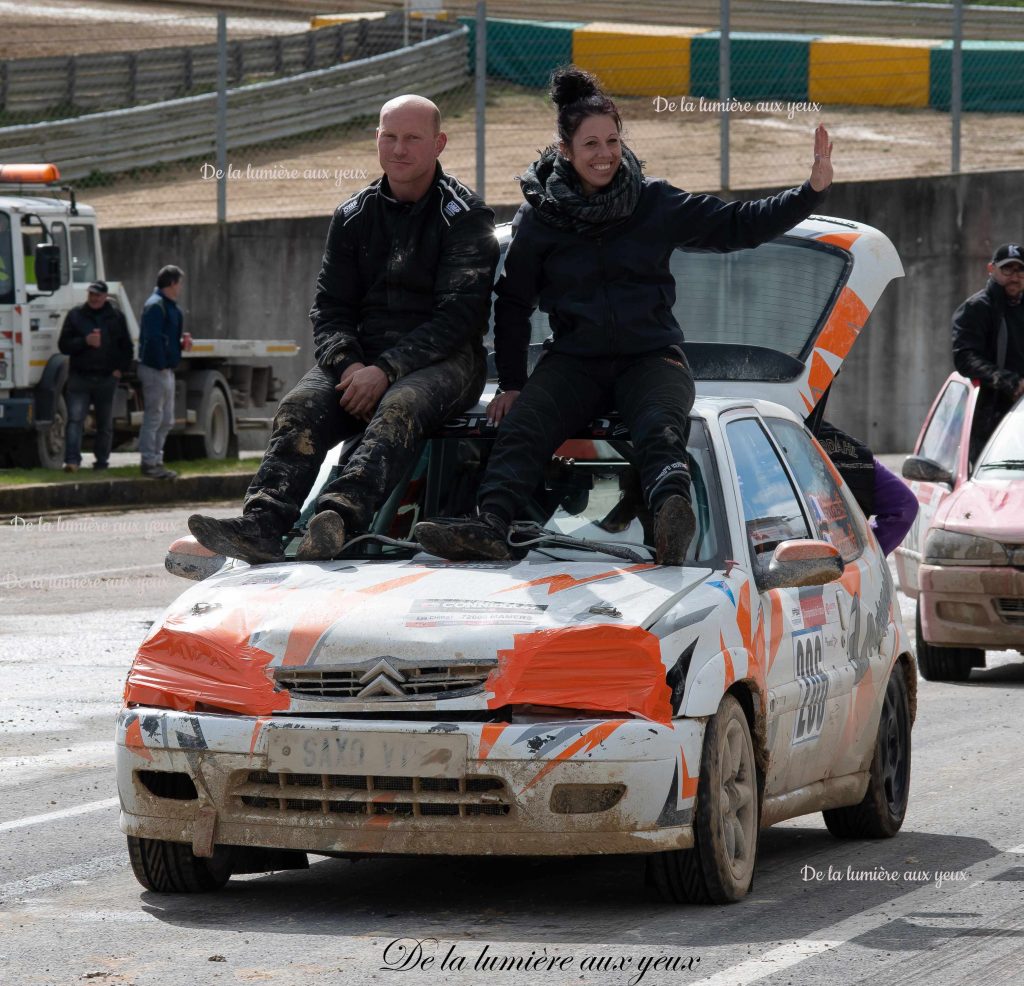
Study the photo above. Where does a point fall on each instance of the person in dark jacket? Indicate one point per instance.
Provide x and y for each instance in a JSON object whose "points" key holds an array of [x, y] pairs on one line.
{"points": [[401, 309], [880, 493], [95, 336], [161, 337], [988, 341], [592, 249]]}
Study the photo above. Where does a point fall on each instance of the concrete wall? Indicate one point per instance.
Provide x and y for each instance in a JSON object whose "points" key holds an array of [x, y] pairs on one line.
{"points": [[256, 280]]}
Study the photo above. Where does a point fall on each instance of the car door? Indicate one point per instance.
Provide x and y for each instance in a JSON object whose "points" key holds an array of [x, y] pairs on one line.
{"points": [[805, 631], [944, 439], [856, 658]]}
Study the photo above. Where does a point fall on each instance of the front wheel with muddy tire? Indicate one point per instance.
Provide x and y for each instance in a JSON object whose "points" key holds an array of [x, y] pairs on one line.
{"points": [[881, 811], [719, 869], [172, 867]]}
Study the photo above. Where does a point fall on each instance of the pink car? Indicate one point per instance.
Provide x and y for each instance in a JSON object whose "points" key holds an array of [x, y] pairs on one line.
{"points": [[963, 560]]}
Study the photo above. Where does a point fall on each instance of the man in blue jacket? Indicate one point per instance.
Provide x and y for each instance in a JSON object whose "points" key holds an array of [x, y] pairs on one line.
{"points": [[160, 338]]}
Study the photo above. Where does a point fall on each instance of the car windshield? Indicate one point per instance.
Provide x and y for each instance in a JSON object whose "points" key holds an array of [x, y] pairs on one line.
{"points": [[590, 490], [1005, 451]]}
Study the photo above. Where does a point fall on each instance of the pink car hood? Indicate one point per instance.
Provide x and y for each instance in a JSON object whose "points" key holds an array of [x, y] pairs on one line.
{"points": [[988, 508]]}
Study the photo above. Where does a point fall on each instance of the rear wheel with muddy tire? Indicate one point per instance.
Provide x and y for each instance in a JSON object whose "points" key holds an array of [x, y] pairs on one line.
{"points": [[172, 867], [881, 811], [719, 869], [945, 663]]}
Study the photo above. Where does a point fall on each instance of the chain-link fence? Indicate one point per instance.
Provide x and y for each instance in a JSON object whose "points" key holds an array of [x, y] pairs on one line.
{"points": [[713, 95]]}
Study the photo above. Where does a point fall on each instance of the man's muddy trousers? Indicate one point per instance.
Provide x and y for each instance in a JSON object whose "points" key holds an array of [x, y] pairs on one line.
{"points": [[310, 422]]}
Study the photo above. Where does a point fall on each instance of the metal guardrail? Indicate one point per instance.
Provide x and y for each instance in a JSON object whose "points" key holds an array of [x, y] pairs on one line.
{"points": [[101, 80], [176, 130]]}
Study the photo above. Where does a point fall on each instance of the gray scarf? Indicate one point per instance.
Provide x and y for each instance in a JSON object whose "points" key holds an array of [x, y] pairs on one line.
{"points": [[553, 188]]}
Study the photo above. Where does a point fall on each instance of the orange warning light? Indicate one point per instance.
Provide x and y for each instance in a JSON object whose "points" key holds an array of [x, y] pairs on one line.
{"points": [[29, 174]]}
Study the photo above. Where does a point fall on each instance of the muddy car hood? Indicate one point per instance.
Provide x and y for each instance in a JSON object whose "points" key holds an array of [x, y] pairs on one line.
{"points": [[989, 508], [236, 641]]}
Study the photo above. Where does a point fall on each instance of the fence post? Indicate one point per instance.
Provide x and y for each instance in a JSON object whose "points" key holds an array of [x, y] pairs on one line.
{"points": [[957, 84], [72, 70], [133, 78], [187, 72], [481, 98], [724, 95], [222, 117], [3, 86], [339, 44]]}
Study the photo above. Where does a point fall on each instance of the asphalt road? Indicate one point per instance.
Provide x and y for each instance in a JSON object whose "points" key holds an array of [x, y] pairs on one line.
{"points": [[76, 597]]}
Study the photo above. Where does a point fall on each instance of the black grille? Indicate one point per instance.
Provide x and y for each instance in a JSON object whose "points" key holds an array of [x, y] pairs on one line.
{"points": [[429, 681], [1011, 611], [349, 794]]}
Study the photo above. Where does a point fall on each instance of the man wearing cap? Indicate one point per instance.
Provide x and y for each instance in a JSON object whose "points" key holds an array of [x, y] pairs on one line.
{"points": [[988, 341], [95, 336], [160, 345]]}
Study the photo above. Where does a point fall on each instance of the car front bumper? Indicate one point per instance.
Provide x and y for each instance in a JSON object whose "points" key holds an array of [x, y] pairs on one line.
{"points": [[570, 787], [972, 606]]}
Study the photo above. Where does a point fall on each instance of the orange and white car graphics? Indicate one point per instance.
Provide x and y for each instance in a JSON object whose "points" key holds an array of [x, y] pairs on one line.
{"points": [[550, 705]]}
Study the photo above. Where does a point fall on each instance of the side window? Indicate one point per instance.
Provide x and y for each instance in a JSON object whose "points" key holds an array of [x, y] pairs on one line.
{"points": [[83, 254], [33, 235], [771, 510], [941, 441], [6, 261], [829, 511]]}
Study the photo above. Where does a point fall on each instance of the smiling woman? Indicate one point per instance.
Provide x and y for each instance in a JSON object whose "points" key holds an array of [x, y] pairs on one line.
{"points": [[592, 250]]}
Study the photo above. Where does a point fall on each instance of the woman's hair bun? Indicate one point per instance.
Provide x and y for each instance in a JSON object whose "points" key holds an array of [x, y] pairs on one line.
{"points": [[571, 84]]}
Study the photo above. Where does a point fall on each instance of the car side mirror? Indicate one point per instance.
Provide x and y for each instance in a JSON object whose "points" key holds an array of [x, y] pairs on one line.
{"points": [[187, 558], [47, 263], [925, 470], [798, 563]]}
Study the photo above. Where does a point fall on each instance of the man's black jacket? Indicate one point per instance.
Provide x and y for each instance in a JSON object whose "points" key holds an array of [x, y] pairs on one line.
{"points": [[115, 349], [404, 285], [612, 295], [977, 326]]}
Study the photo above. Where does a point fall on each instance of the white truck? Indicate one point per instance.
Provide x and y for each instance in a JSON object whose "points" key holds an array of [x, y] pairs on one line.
{"points": [[49, 254]]}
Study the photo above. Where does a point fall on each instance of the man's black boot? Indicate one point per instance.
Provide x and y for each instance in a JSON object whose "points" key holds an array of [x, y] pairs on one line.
{"points": [[239, 537], [674, 527], [324, 538], [467, 538]]}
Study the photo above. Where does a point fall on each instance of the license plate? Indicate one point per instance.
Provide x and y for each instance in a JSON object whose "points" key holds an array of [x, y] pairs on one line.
{"points": [[339, 751]]}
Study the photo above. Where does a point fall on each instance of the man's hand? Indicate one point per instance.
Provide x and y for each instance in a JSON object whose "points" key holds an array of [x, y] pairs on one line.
{"points": [[1020, 389], [501, 405], [362, 390], [821, 171], [94, 339], [116, 374]]}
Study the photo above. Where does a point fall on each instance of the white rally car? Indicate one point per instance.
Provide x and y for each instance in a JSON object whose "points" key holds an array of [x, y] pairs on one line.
{"points": [[584, 699]]}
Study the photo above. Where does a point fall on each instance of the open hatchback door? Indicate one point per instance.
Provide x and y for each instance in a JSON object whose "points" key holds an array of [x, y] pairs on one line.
{"points": [[776, 322]]}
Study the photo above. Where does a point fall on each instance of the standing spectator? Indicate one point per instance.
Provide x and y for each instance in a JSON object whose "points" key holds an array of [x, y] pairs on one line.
{"points": [[160, 343], [988, 341], [95, 336]]}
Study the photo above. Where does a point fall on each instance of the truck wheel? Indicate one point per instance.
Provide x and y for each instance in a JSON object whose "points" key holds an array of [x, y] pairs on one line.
{"points": [[719, 869], [945, 663], [213, 419], [172, 868], [880, 814], [44, 449]]}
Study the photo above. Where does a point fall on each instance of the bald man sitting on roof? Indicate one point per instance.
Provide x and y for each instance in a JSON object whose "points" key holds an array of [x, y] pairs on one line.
{"points": [[401, 309]]}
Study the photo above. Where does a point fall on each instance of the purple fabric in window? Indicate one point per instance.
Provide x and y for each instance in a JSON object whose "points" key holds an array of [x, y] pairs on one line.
{"points": [[895, 508]]}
